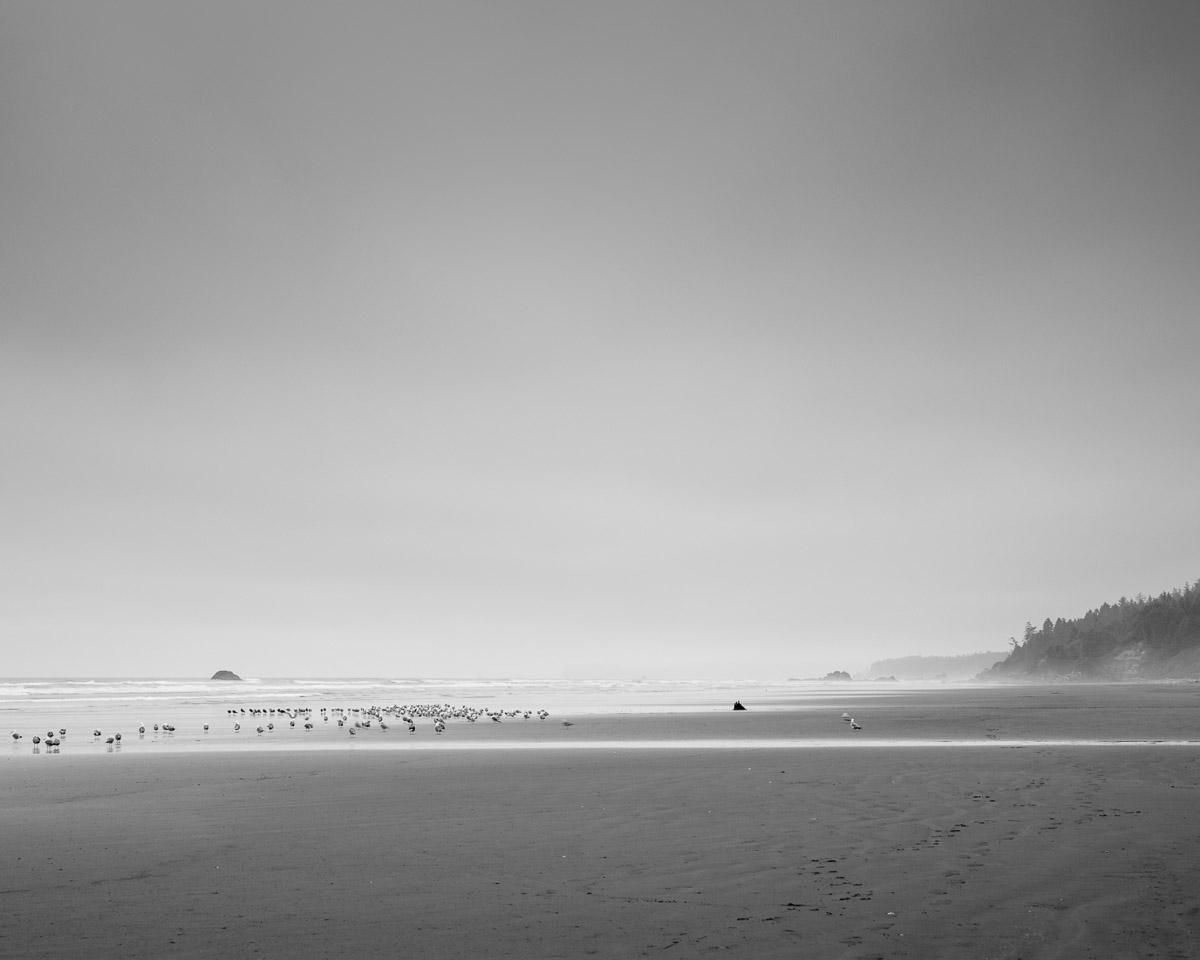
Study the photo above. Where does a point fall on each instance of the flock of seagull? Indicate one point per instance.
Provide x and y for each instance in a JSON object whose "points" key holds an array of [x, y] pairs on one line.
{"points": [[54, 740], [354, 719]]}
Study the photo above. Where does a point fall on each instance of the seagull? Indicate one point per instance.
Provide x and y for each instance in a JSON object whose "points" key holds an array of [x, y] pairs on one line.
{"points": [[116, 736], [847, 718], [36, 739], [237, 727], [854, 725], [141, 728], [206, 728], [568, 723]]}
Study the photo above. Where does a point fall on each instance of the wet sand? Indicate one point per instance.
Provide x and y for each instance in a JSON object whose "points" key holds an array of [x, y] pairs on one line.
{"points": [[982, 849], [963, 852]]}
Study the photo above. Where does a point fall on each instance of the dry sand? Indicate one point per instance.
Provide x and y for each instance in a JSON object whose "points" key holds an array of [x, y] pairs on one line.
{"points": [[893, 851]]}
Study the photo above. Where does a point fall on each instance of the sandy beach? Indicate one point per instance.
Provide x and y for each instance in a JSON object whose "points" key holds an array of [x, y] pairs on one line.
{"points": [[977, 850]]}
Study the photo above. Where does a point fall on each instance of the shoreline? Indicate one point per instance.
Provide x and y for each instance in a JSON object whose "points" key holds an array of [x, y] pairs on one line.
{"points": [[481, 746], [1008, 716]]}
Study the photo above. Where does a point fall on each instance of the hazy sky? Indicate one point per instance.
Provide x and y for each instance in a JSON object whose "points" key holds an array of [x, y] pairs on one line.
{"points": [[522, 339]]}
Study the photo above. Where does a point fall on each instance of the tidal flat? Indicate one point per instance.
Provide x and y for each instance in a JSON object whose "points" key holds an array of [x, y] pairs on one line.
{"points": [[1029, 822]]}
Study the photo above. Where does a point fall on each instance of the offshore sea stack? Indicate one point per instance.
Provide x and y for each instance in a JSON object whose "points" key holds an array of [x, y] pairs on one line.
{"points": [[225, 675]]}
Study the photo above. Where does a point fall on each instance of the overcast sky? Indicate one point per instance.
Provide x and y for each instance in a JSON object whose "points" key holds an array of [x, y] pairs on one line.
{"points": [[611, 338]]}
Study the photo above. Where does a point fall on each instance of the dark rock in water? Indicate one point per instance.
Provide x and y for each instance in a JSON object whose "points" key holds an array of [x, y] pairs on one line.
{"points": [[225, 675], [837, 675], [737, 705]]}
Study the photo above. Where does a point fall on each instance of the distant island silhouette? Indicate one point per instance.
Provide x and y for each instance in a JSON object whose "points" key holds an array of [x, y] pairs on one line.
{"points": [[832, 675], [225, 675]]}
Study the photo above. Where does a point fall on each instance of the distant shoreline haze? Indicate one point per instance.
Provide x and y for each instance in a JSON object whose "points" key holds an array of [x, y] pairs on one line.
{"points": [[961, 667]]}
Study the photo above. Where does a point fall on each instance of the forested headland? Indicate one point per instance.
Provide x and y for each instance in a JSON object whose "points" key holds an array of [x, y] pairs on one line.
{"points": [[1143, 638]]}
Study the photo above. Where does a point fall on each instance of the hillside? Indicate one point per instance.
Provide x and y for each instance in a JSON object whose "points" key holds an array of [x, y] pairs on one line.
{"points": [[1146, 638], [962, 667]]}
